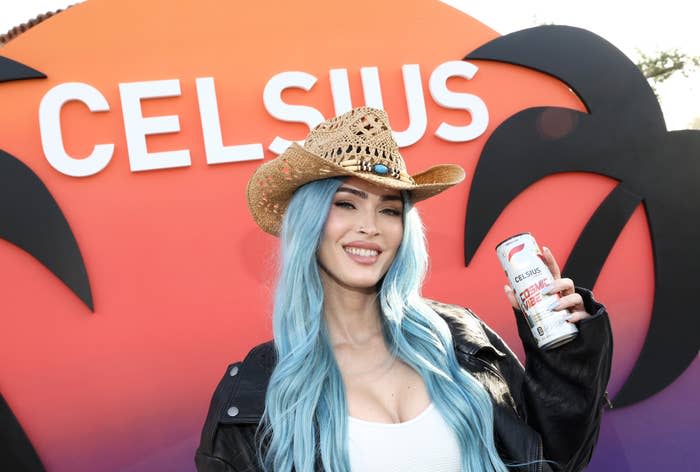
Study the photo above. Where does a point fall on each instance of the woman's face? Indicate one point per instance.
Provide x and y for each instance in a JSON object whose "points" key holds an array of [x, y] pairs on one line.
{"points": [[361, 236]]}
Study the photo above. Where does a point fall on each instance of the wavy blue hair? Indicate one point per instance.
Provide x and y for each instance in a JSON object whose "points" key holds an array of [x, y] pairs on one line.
{"points": [[305, 407]]}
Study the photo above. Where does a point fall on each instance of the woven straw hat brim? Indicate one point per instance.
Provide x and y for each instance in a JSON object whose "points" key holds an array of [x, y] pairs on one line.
{"points": [[274, 182]]}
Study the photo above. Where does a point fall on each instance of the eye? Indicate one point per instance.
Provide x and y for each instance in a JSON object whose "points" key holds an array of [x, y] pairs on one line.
{"points": [[391, 212], [344, 204]]}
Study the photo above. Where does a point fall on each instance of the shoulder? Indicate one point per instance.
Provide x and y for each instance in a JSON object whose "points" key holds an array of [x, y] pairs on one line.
{"points": [[469, 332], [482, 352], [238, 402], [448, 309], [245, 384]]}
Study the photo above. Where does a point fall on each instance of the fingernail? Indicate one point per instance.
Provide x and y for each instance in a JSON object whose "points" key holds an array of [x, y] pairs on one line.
{"points": [[568, 317], [554, 306], [545, 291], [545, 248], [505, 288]]}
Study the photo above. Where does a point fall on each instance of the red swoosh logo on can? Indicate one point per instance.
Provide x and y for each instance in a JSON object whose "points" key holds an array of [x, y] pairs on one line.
{"points": [[515, 250]]}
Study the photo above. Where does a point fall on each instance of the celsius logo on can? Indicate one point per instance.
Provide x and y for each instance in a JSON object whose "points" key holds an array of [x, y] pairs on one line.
{"points": [[514, 251], [528, 273]]}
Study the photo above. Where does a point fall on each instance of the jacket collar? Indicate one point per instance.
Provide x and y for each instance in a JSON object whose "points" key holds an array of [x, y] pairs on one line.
{"points": [[246, 399], [467, 329]]}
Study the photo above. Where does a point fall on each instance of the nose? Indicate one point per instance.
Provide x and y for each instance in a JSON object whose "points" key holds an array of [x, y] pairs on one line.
{"points": [[371, 231], [367, 224]]}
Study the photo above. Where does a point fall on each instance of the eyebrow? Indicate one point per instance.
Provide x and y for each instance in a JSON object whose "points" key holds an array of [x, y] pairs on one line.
{"points": [[363, 195]]}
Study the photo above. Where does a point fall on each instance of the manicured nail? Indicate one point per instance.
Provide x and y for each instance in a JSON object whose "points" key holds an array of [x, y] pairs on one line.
{"points": [[568, 317], [554, 306], [545, 249], [505, 288], [546, 290]]}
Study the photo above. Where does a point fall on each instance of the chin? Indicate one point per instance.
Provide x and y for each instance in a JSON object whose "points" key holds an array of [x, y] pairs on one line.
{"points": [[354, 281], [366, 285], [363, 283]]}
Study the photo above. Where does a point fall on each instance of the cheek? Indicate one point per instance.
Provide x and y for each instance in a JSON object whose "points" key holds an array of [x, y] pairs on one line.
{"points": [[332, 232], [392, 238], [333, 229], [396, 235]]}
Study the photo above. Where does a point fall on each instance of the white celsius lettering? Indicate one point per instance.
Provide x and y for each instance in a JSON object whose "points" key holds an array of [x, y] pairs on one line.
{"points": [[137, 127], [340, 90], [52, 137], [458, 101], [371, 87], [214, 147], [272, 99], [415, 101]]}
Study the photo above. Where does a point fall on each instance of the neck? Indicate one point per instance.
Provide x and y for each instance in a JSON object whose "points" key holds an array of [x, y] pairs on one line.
{"points": [[352, 315]]}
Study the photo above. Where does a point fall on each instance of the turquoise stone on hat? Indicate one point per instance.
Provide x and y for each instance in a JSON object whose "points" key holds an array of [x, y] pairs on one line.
{"points": [[380, 169]]}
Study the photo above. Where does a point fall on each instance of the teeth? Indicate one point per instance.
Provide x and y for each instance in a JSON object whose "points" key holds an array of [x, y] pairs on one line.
{"points": [[361, 252]]}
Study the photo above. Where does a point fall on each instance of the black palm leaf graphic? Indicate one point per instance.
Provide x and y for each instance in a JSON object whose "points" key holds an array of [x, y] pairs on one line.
{"points": [[16, 451], [623, 137], [31, 219], [12, 70]]}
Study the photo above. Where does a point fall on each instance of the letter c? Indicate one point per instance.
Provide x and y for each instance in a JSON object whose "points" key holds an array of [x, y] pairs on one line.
{"points": [[52, 138]]}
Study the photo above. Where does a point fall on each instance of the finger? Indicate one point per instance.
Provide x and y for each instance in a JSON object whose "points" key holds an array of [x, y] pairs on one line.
{"points": [[572, 302], [564, 286], [551, 262], [577, 316], [510, 294]]}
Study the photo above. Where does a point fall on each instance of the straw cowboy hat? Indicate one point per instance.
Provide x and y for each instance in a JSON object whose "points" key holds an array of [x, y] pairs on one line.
{"points": [[358, 144]]}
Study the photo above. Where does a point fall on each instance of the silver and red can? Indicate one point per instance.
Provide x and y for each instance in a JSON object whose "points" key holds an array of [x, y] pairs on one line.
{"points": [[529, 276]]}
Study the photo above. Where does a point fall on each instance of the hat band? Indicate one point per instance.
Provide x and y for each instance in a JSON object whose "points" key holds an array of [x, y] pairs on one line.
{"points": [[382, 170]]}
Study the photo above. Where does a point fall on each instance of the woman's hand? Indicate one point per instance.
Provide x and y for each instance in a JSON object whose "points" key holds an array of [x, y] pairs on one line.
{"points": [[568, 298]]}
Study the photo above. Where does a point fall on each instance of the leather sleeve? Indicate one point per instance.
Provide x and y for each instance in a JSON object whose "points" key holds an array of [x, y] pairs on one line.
{"points": [[561, 392], [207, 463], [232, 451], [225, 447]]}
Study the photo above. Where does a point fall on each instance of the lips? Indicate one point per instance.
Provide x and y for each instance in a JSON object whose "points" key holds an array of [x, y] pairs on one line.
{"points": [[363, 252]]}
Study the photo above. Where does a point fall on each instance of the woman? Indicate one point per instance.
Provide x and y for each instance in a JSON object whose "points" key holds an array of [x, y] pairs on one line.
{"points": [[364, 374]]}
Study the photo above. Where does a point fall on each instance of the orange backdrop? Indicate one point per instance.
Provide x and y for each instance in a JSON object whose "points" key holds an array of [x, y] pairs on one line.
{"points": [[180, 275]]}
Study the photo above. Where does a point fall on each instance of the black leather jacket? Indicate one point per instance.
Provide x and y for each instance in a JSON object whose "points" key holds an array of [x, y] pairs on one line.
{"points": [[550, 409]]}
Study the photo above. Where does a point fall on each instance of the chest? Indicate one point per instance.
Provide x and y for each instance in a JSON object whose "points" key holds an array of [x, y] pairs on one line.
{"points": [[384, 390], [422, 444]]}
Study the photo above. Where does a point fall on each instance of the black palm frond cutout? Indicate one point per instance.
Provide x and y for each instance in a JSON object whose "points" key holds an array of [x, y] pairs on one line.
{"points": [[23, 205], [12, 70], [623, 136]]}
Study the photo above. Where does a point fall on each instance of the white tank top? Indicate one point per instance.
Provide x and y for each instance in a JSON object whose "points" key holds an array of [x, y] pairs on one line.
{"points": [[423, 444]]}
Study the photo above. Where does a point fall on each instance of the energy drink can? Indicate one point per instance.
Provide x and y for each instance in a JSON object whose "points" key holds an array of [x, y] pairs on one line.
{"points": [[529, 275]]}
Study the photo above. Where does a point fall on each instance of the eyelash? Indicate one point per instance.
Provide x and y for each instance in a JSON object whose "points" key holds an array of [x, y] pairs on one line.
{"points": [[348, 205], [344, 205]]}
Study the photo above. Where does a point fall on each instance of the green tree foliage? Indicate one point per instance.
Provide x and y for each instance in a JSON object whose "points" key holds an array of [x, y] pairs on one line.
{"points": [[661, 66]]}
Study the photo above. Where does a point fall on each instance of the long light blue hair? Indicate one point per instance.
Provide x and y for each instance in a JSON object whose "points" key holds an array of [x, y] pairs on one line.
{"points": [[305, 407]]}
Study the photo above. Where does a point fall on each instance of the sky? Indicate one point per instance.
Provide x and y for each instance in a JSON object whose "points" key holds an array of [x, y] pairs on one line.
{"points": [[629, 25]]}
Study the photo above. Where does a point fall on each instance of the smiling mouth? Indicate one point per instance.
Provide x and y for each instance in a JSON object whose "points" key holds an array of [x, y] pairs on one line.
{"points": [[356, 251]]}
